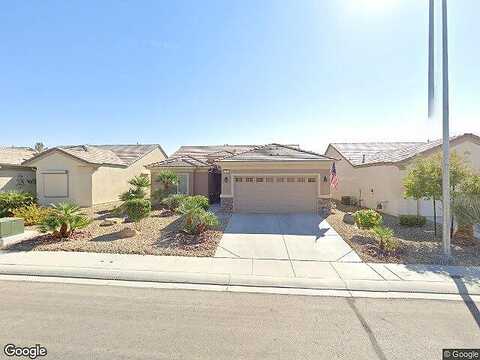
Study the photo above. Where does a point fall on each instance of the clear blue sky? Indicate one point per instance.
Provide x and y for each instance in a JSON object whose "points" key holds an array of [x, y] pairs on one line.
{"points": [[208, 72]]}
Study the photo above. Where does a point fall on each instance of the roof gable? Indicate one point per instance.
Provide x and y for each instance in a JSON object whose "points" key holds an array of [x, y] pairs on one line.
{"points": [[112, 155], [277, 152], [364, 154]]}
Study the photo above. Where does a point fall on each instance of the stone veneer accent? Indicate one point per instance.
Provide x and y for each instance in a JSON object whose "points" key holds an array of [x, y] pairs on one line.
{"points": [[226, 204]]}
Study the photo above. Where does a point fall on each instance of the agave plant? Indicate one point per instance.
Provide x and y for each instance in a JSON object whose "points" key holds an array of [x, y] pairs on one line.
{"points": [[467, 209], [64, 220]]}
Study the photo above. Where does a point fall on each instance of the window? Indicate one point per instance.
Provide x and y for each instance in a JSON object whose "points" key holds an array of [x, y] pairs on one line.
{"points": [[280, 180], [238, 179], [269, 179], [259, 179], [55, 184], [301, 180], [312, 180], [182, 186], [249, 179], [290, 180]]}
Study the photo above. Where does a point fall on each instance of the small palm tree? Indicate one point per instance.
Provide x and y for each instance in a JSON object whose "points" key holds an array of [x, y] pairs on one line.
{"points": [[64, 220], [168, 179]]}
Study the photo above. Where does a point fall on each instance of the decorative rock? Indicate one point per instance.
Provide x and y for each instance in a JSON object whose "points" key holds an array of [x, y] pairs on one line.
{"points": [[348, 218], [127, 233], [111, 221], [166, 213]]}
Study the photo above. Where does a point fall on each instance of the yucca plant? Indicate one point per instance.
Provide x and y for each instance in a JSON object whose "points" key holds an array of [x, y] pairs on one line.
{"points": [[64, 220], [168, 179], [466, 209]]}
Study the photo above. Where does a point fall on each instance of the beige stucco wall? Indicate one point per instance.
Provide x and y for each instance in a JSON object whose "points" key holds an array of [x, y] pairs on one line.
{"points": [[386, 181], [109, 182], [87, 184], [79, 178], [18, 179]]}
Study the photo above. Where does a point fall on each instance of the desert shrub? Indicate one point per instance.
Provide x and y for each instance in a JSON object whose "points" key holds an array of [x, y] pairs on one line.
{"points": [[137, 209], [367, 218], [64, 219], [173, 201], [385, 237], [9, 201], [32, 214], [189, 202], [412, 220], [197, 220], [139, 184]]}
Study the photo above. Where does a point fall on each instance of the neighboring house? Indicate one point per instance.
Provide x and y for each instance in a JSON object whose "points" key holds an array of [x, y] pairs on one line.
{"points": [[272, 178], [13, 175], [90, 174], [373, 173]]}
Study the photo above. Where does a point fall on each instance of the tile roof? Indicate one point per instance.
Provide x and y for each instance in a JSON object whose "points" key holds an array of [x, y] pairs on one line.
{"points": [[380, 153], [276, 152], [119, 155], [354, 152], [211, 152], [184, 161], [15, 155]]}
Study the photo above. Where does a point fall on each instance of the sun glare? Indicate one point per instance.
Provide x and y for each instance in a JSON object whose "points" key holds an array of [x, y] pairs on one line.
{"points": [[372, 6]]}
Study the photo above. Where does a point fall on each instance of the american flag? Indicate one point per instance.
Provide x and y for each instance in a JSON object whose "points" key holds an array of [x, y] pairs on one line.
{"points": [[333, 177]]}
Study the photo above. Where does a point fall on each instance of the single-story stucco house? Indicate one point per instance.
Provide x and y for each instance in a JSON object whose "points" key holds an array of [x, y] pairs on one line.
{"points": [[13, 175], [373, 173], [271, 178], [90, 174]]}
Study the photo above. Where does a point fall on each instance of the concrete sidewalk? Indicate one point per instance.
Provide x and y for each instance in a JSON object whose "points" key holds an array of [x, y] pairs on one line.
{"points": [[246, 272]]}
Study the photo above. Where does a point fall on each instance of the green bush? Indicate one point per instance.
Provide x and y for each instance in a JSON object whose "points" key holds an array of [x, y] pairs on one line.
{"points": [[137, 209], [32, 214], [367, 218], [138, 190], [197, 220], [9, 201], [191, 202], [412, 220], [173, 201], [385, 237], [64, 219]]}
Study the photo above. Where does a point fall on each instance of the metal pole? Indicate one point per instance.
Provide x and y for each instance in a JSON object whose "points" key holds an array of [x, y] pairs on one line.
{"points": [[431, 59], [446, 136]]}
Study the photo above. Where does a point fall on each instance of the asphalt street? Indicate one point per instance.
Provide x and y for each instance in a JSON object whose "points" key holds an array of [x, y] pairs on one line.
{"points": [[108, 322]]}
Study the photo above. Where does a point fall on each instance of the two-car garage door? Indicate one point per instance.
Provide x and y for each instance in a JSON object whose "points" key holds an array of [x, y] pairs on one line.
{"points": [[275, 194]]}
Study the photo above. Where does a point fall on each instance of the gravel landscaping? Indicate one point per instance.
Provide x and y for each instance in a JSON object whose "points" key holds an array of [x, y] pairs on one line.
{"points": [[416, 244], [157, 235]]}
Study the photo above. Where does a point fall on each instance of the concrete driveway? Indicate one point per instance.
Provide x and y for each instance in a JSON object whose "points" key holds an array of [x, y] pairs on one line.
{"points": [[283, 237]]}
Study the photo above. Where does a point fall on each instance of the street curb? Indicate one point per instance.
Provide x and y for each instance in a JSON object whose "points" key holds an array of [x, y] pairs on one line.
{"points": [[382, 286]]}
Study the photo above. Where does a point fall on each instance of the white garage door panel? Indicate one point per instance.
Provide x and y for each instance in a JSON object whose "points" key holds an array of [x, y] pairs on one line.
{"points": [[275, 197]]}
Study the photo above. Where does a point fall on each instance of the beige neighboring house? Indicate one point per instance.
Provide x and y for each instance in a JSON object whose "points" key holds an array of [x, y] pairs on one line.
{"points": [[373, 173], [271, 178], [13, 175], [90, 174]]}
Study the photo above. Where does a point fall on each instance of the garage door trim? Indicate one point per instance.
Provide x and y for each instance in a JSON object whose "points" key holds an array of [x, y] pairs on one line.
{"points": [[317, 176]]}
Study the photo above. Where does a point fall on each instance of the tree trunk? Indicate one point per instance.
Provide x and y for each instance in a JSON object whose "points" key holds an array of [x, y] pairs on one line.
{"points": [[434, 219], [418, 208]]}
